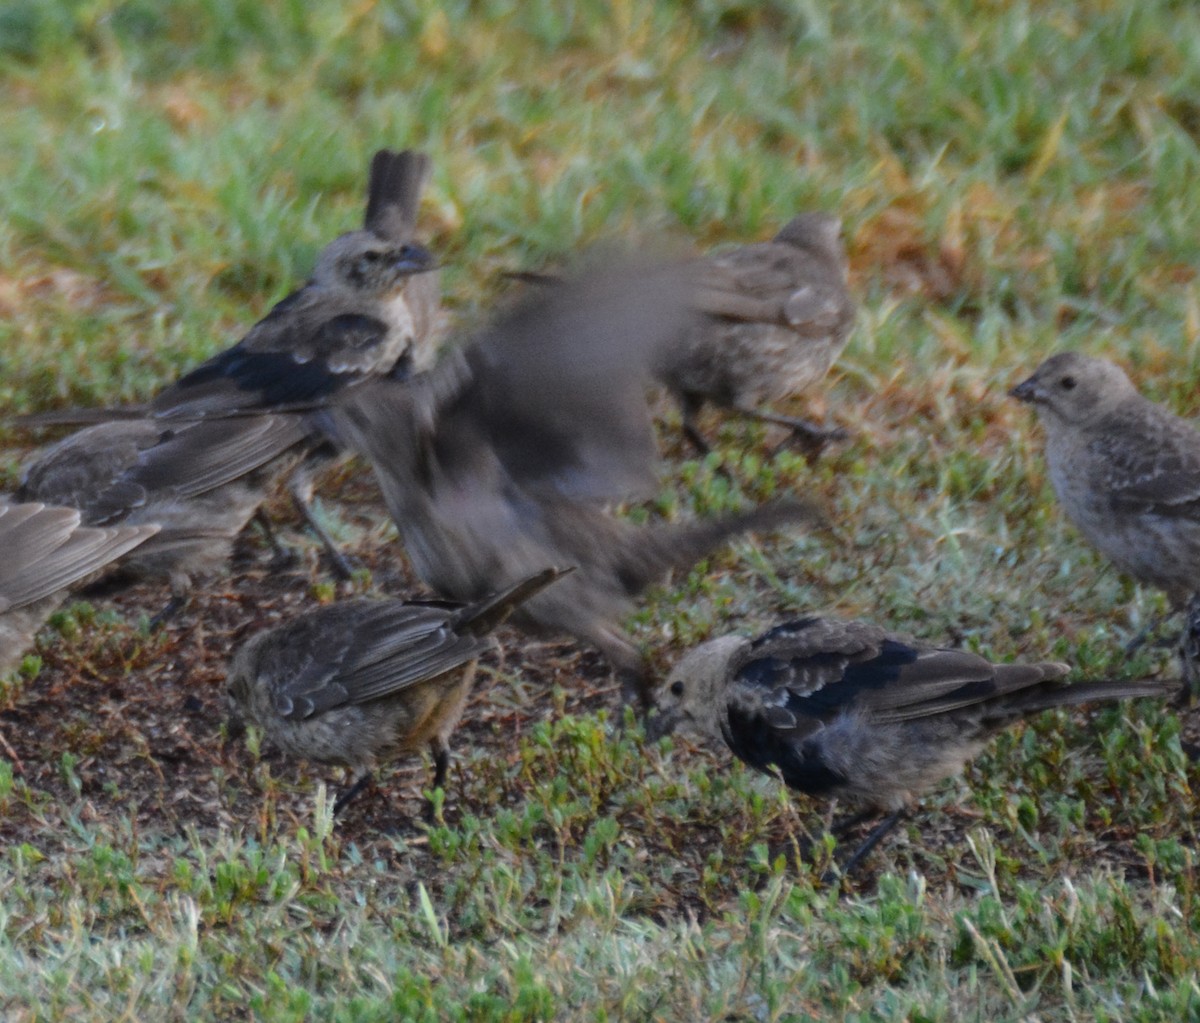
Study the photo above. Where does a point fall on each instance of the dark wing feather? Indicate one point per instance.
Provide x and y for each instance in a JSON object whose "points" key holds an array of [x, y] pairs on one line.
{"points": [[367, 650]]}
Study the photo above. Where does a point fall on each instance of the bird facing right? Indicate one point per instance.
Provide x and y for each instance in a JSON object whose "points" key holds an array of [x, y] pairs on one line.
{"points": [[1126, 470], [847, 709]]}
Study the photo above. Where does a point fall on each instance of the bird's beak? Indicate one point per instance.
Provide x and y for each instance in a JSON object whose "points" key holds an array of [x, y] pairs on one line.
{"points": [[1029, 390], [413, 259], [660, 723]]}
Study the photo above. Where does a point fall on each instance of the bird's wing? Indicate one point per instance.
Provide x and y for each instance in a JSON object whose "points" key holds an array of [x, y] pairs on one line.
{"points": [[46, 550], [814, 669], [558, 382], [304, 350], [201, 456], [368, 650], [776, 284], [1155, 468]]}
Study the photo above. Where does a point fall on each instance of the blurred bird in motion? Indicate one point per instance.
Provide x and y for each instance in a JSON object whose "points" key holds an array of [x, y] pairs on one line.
{"points": [[46, 552], [1126, 470], [846, 709], [503, 458], [363, 681], [370, 309]]}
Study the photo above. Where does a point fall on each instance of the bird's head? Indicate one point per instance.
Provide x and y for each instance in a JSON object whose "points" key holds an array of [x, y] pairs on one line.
{"points": [[1075, 389], [692, 699], [366, 264]]}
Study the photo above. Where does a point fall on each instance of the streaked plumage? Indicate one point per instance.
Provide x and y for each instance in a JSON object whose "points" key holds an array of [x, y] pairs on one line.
{"points": [[364, 681], [1126, 470]]}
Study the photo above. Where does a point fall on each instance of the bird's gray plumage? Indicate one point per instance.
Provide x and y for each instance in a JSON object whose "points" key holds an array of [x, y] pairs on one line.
{"points": [[845, 708], [198, 482], [1126, 471], [46, 551], [503, 458], [773, 318], [364, 681]]}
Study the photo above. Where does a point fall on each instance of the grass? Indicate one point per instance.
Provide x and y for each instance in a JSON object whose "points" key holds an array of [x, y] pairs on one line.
{"points": [[1014, 178]]}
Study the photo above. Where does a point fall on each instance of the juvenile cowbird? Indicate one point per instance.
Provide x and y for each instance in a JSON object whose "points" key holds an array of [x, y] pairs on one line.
{"points": [[847, 709], [45, 552], [198, 482], [364, 681], [370, 309], [773, 317], [501, 459], [1127, 471]]}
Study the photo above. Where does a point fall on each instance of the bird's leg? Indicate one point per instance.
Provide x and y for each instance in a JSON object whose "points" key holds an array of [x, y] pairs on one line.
{"points": [[441, 764], [689, 408], [181, 589], [874, 837], [812, 436], [281, 557], [1150, 631], [300, 489], [348, 796], [441, 761]]}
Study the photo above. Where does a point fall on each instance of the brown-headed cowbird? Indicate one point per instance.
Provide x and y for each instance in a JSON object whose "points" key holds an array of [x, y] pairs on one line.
{"points": [[846, 709], [364, 681], [501, 459], [773, 317], [198, 482], [370, 309], [1127, 471], [46, 552]]}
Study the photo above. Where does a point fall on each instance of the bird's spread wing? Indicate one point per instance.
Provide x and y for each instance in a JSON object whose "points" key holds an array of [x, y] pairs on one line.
{"points": [[367, 650], [558, 383]]}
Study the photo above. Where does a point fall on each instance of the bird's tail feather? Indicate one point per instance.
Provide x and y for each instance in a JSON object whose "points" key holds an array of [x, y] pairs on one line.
{"points": [[679, 546], [394, 193], [491, 612]]}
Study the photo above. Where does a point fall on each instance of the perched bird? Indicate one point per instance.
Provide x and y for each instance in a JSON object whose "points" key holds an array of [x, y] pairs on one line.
{"points": [[847, 709], [502, 459], [46, 552], [364, 681], [1127, 471], [773, 318], [1189, 655], [370, 309], [199, 483]]}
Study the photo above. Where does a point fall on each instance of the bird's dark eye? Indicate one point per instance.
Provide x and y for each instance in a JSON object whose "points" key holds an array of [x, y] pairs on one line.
{"points": [[1068, 383], [676, 688]]}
